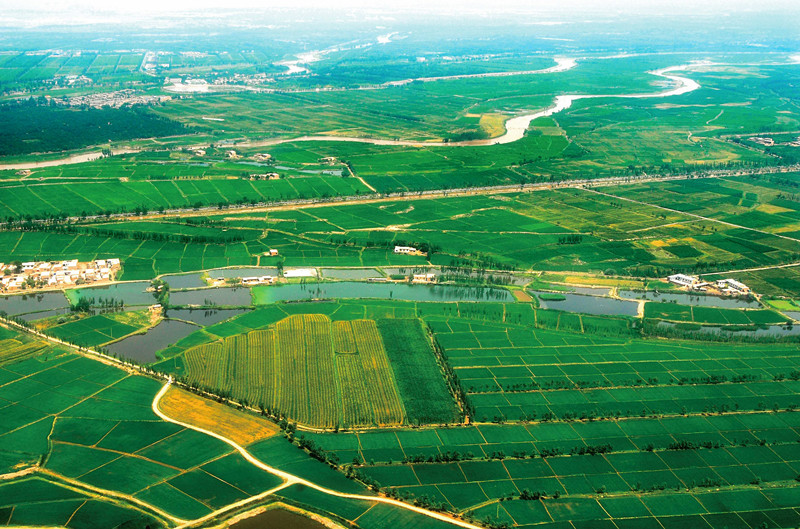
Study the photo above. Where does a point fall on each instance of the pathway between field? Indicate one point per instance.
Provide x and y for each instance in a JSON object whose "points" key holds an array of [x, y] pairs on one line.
{"points": [[291, 479], [700, 217]]}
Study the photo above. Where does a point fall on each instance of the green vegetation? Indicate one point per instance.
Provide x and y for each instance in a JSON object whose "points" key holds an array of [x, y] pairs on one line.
{"points": [[306, 369], [30, 127]]}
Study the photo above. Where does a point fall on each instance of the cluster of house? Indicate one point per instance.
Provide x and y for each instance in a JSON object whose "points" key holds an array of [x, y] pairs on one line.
{"points": [[41, 274], [264, 176], [113, 99], [729, 287], [769, 142], [766, 142]]}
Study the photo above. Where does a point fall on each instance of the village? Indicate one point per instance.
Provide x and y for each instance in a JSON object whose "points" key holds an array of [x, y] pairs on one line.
{"points": [[32, 275]]}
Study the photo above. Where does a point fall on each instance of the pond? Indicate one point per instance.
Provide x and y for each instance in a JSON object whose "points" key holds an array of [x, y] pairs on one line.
{"points": [[204, 316], [133, 293], [692, 299], [142, 347], [398, 291], [26, 303], [591, 291], [31, 316], [771, 330], [225, 296], [589, 304], [253, 271], [178, 281], [277, 519], [350, 273]]}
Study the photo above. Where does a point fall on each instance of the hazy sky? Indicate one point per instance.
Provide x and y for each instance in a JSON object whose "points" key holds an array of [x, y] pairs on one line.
{"points": [[39, 13], [454, 6]]}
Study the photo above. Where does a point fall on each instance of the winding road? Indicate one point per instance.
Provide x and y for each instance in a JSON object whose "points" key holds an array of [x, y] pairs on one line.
{"points": [[291, 479]]}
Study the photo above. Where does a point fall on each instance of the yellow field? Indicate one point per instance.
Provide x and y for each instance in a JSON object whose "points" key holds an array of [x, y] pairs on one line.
{"points": [[602, 281], [12, 350], [203, 413], [493, 124], [317, 372], [521, 295]]}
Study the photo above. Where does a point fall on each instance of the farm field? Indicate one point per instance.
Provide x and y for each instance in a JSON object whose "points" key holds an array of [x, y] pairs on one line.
{"points": [[75, 425], [323, 373], [568, 230], [385, 267], [100, 329]]}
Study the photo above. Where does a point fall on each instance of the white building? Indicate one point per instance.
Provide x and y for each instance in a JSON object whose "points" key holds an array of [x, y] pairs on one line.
{"points": [[732, 286], [684, 280], [405, 249], [424, 278], [259, 280]]}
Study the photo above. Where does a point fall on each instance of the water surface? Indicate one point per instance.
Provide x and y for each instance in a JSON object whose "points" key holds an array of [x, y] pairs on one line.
{"points": [[224, 296], [142, 347], [589, 304], [401, 291], [26, 303]]}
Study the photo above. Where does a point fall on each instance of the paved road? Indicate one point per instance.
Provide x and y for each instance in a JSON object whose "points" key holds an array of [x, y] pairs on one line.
{"points": [[291, 479]]}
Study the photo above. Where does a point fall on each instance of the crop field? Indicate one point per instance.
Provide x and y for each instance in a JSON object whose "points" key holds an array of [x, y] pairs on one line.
{"points": [[511, 372], [100, 329], [711, 315], [82, 198], [317, 373], [721, 470], [567, 230], [496, 407], [216, 417]]}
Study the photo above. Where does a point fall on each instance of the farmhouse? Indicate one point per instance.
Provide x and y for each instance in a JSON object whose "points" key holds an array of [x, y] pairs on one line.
{"points": [[260, 280], [262, 157], [273, 252], [423, 278], [231, 154], [683, 280], [733, 287], [405, 249]]}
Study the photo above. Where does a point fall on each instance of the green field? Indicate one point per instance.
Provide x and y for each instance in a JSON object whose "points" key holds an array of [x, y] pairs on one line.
{"points": [[316, 372]]}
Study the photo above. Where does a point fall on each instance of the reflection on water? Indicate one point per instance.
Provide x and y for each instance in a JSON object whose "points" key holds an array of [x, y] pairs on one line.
{"points": [[25, 303], [277, 519], [589, 304], [692, 299], [403, 292], [142, 347], [226, 296]]}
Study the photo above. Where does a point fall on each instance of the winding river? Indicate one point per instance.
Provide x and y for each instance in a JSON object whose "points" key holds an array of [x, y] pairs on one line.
{"points": [[515, 127]]}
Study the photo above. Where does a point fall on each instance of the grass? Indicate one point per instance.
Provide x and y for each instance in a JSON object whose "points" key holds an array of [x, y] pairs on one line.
{"points": [[419, 378]]}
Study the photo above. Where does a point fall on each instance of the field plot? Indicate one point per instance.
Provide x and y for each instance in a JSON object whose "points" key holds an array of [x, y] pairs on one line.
{"points": [[210, 415], [100, 329], [511, 372], [316, 373], [711, 315], [90, 424], [706, 461]]}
